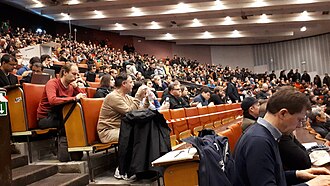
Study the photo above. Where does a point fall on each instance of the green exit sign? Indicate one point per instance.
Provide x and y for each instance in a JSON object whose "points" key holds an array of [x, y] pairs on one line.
{"points": [[3, 104]]}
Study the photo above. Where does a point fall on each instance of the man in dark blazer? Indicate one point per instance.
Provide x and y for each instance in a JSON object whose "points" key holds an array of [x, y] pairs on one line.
{"points": [[8, 64]]}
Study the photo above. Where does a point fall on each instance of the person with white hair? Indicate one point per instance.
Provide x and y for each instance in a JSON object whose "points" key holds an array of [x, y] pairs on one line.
{"points": [[264, 92]]}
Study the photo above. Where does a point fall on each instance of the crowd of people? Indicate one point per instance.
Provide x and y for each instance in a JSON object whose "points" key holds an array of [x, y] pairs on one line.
{"points": [[130, 81]]}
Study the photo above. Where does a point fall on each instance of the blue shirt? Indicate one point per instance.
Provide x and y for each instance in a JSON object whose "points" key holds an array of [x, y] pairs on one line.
{"points": [[22, 70]]}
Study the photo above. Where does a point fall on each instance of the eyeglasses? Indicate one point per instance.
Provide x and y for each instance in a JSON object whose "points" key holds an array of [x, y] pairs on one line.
{"points": [[177, 89]]}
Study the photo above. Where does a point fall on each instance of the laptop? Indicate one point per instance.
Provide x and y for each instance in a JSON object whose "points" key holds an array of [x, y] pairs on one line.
{"points": [[41, 79], [51, 72]]}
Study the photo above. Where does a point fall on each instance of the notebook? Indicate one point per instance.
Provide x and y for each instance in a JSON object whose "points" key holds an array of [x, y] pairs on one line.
{"points": [[51, 72]]}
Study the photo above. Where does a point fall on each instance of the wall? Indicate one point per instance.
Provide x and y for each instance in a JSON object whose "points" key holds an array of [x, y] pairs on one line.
{"points": [[233, 56], [160, 49], [200, 53], [311, 54]]}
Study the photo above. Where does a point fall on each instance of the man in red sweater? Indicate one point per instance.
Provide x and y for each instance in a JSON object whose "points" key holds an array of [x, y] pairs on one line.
{"points": [[57, 92]]}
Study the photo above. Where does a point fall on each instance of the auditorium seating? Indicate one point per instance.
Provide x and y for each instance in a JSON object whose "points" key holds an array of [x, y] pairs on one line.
{"points": [[94, 84], [81, 128], [90, 92], [23, 106]]}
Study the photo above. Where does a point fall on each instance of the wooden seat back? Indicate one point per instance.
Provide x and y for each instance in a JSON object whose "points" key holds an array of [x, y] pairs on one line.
{"points": [[90, 92], [75, 127], [32, 94], [91, 108], [17, 112]]}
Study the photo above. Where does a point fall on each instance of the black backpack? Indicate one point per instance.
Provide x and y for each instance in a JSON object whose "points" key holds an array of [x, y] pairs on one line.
{"points": [[216, 166]]}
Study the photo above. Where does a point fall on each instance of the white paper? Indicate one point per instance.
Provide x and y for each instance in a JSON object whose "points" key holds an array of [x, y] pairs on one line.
{"points": [[176, 155], [309, 145]]}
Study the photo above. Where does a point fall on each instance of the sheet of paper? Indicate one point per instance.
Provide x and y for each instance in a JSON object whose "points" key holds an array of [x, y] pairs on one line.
{"points": [[176, 155], [309, 145]]}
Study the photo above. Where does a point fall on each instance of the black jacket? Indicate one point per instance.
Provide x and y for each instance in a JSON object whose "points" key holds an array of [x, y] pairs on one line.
{"points": [[102, 92], [232, 92], [293, 154], [144, 137], [11, 79], [216, 166]]}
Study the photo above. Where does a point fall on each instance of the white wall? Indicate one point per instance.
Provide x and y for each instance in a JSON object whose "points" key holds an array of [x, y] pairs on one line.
{"points": [[233, 56]]}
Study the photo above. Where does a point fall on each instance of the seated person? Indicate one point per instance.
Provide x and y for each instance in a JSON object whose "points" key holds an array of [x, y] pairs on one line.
{"points": [[46, 61], [203, 97], [106, 86], [319, 122], [250, 107], [158, 85], [90, 74], [173, 97], [27, 67], [185, 94], [116, 105], [57, 92], [218, 97], [264, 92], [36, 69], [8, 63]]}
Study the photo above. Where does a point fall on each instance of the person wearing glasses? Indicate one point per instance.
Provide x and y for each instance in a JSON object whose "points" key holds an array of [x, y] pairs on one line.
{"points": [[174, 97], [257, 156], [8, 64]]}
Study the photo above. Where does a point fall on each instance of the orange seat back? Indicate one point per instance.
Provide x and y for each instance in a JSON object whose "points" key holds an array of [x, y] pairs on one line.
{"points": [[213, 116], [192, 120], [16, 109], [90, 92], [166, 114], [231, 138], [91, 108], [220, 108], [32, 95], [160, 94], [94, 84], [178, 113], [203, 113]]}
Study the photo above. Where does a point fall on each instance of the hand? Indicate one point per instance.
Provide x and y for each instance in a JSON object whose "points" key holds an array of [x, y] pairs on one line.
{"points": [[165, 105], [74, 84], [80, 95], [211, 104], [320, 180], [311, 173], [327, 143], [141, 92]]}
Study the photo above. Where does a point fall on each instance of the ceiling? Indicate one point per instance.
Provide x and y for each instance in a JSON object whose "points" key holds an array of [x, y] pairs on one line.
{"points": [[207, 22]]}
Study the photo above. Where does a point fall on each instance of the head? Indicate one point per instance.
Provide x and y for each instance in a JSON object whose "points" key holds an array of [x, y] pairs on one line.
{"points": [[107, 81], [184, 90], [206, 93], [148, 82], [174, 89], [124, 83], [37, 68], [45, 59], [34, 60], [265, 87], [113, 73], [8, 63], [250, 105], [157, 79], [317, 115], [69, 73], [287, 109]]}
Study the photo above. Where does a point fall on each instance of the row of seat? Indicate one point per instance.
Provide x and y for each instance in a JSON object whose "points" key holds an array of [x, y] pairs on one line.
{"points": [[193, 118]]}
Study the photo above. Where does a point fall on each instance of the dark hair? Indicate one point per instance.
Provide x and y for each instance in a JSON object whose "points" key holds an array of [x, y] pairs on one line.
{"points": [[120, 79], [287, 97], [145, 81], [44, 57], [6, 58], [66, 68], [38, 65], [205, 90], [34, 60], [105, 81], [182, 87], [171, 86]]}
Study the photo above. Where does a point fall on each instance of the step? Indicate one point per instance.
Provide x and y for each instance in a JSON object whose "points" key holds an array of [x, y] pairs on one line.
{"points": [[18, 160], [32, 173], [67, 179]]}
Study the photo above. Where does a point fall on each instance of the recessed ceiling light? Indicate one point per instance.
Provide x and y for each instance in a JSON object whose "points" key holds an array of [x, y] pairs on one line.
{"points": [[303, 29], [169, 36], [228, 18], [73, 2]]}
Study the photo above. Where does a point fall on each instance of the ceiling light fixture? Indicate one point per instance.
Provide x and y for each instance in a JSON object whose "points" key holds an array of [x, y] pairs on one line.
{"points": [[218, 5], [73, 2], [263, 18], [38, 4], [136, 12], [207, 35], [196, 23], [236, 33], [303, 29], [119, 27], [169, 36], [98, 14], [228, 20], [304, 16], [154, 25]]}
